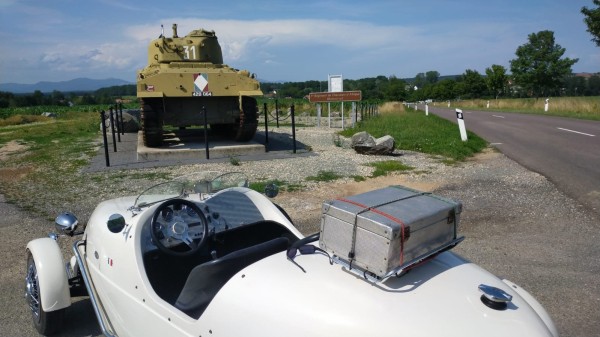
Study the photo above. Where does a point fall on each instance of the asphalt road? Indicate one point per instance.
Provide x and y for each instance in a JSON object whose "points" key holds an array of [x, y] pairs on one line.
{"points": [[564, 150]]}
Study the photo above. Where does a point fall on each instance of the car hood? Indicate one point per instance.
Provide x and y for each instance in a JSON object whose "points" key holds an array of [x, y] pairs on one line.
{"points": [[440, 298]]}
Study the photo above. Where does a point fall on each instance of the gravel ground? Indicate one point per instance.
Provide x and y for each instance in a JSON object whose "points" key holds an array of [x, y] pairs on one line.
{"points": [[517, 224]]}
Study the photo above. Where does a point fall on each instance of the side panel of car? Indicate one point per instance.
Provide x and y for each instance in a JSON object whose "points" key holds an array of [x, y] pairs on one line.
{"points": [[279, 299], [116, 268], [535, 305], [53, 282]]}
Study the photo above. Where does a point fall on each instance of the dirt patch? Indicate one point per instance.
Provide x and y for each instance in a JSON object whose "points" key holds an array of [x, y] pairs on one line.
{"points": [[14, 173], [487, 154], [11, 148]]}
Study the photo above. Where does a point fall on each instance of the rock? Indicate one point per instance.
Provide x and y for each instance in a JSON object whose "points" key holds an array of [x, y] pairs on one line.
{"points": [[130, 123], [136, 113], [362, 139], [364, 143], [385, 145]]}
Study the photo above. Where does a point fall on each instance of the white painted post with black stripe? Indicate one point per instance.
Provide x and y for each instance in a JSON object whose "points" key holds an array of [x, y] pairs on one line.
{"points": [[461, 125]]}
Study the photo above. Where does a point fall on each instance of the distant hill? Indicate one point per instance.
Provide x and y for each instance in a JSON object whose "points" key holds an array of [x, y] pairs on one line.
{"points": [[78, 84]]}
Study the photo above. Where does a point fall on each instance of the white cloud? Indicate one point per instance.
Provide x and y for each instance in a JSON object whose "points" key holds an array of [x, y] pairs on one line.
{"points": [[256, 40], [113, 56]]}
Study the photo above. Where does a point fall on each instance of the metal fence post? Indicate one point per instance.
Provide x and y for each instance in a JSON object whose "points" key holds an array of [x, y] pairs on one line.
{"points": [[112, 128], [292, 108], [277, 113], [103, 124], [121, 118], [118, 124], [205, 132], [266, 128]]}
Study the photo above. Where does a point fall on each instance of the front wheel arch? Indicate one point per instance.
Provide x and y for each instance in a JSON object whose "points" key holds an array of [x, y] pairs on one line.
{"points": [[45, 322], [51, 270]]}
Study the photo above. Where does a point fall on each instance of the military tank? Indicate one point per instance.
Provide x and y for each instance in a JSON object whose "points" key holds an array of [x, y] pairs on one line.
{"points": [[186, 76]]}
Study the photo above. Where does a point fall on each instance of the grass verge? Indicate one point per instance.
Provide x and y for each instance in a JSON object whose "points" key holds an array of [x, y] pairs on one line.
{"points": [[416, 132]]}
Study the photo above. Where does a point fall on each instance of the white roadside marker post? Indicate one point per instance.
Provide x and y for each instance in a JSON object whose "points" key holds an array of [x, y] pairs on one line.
{"points": [[426, 109], [488, 104], [546, 105], [448, 103], [319, 114], [461, 125]]}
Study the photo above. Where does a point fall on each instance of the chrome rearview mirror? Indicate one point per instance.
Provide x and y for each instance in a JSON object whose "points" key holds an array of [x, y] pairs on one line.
{"points": [[66, 223]]}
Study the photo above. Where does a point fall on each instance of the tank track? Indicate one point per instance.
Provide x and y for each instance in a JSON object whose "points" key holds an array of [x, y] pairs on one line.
{"points": [[152, 129], [246, 127]]}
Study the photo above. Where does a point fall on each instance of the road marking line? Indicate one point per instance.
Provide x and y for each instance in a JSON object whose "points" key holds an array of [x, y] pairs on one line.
{"points": [[581, 133], [495, 144], [498, 116]]}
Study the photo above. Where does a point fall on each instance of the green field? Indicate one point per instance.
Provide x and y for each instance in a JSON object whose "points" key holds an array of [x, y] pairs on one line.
{"points": [[573, 107]]}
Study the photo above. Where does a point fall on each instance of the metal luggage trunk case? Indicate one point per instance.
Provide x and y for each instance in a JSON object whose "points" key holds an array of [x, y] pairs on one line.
{"points": [[384, 229]]}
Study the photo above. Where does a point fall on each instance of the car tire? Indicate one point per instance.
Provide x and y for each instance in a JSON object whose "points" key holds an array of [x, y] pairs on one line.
{"points": [[46, 323]]}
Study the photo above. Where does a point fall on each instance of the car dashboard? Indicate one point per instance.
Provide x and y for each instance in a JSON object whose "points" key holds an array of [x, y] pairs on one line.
{"points": [[234, 223], [226, 211]]}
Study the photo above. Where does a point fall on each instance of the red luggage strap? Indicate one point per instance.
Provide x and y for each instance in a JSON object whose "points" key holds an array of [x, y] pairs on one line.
{"points": [[373, 209]]}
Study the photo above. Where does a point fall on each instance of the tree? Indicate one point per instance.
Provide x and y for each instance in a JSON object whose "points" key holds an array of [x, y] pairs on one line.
{"points": [[419, 80], [444, 89], [594, 85], [539, 67], [575, 86], [474, 84], [496, 79], [395, 91], [431, 77], [592, 20]]}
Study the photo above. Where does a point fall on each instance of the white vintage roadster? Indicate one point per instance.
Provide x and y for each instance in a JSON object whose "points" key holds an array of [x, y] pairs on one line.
{"points": [[204, 255]]}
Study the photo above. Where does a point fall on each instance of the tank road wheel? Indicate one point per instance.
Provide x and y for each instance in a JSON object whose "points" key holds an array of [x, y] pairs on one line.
{"points": [[152, 130], [245, 128], [45, 322]]}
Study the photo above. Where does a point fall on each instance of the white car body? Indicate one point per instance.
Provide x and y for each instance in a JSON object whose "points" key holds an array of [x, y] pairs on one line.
{"points": [[273, 296]]}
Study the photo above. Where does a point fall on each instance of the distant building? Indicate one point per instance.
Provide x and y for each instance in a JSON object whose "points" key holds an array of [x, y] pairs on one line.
{"points": [[586, 75]]}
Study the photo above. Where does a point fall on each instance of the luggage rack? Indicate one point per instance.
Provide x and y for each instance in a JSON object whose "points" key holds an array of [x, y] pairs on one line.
{"points": [[400, 270]]}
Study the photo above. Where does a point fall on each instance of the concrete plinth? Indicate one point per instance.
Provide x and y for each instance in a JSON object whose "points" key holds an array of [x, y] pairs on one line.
{"points": [[189, 144]]}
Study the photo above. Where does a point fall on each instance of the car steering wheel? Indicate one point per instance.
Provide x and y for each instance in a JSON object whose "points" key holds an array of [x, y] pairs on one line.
{"points": [[171, 223]]}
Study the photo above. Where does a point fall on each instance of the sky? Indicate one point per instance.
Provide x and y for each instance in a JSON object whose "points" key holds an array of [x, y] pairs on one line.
{"points": [[60, 40]]}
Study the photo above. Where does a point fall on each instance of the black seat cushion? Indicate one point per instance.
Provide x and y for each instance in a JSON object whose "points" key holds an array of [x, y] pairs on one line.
{"points": [[207, 279]]}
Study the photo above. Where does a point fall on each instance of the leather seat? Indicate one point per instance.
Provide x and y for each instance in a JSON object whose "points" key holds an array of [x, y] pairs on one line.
{"points": [[205, 280]]}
